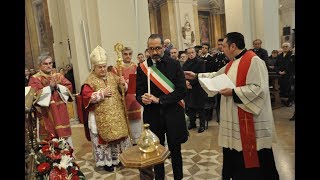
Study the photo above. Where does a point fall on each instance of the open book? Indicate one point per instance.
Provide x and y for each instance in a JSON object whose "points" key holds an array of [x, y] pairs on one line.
{"points": [[213, 85]]}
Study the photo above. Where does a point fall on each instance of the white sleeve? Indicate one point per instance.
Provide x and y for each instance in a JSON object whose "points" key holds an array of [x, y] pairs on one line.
{"points": [[45, 97], [26, 90], [97, 96], [64, 93], [126, 87]]}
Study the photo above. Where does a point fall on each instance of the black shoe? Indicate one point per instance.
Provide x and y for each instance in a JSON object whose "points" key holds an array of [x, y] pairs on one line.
{"points": [[108, 168], [191, 126], [201, 129]]}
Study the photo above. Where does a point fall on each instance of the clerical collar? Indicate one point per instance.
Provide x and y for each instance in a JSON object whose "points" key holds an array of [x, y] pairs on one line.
{"points": [[241, 54]]}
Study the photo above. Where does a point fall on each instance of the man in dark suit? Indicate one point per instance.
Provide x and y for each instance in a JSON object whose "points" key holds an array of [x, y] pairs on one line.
{"points": [[262, 53], [196, 96], [163, 111]]}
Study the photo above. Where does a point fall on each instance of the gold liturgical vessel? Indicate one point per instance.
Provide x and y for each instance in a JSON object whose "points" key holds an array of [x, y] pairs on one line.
{"points": [[148, 141], [147, 152]]}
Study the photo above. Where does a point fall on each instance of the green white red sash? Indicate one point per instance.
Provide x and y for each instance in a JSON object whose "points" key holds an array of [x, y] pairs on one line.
{"points": [[159, 79]]}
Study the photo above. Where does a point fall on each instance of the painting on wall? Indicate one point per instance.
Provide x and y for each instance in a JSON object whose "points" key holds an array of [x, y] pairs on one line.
{"points": [[204, 29], [41, 26]]}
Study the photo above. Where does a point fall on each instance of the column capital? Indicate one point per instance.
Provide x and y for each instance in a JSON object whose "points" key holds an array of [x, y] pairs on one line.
{"points": [[195, 2], [217, 6], [286, 4], [155, 4]]}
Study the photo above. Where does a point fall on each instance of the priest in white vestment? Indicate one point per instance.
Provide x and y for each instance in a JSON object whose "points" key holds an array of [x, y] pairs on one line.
{"points": [[246, 130]]}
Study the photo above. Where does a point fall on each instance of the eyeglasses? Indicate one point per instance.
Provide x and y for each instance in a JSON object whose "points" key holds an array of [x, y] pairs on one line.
{"points": [[46, 64], [127, 54], [155, 48], [285, 46]]}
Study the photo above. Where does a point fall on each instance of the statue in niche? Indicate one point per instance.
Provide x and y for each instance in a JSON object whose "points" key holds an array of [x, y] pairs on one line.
{"points": [[188, 35]]}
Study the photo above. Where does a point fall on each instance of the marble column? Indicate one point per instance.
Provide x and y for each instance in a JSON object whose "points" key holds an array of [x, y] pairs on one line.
{"points": [[287, 19], [257, 19], [218, 21], [106, 23]]}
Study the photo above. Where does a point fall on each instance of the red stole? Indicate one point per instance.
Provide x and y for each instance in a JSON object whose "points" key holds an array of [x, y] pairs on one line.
{"points": [[247, 131]]}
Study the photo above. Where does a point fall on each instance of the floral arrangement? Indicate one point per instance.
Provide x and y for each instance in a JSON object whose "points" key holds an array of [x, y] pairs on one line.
{"points": [[54, 160]]}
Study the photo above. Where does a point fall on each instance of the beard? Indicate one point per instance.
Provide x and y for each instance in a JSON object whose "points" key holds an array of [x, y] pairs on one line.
{"points": [[155, 57]]}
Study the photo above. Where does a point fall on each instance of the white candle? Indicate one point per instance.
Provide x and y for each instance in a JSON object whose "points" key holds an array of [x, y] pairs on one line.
{"points": [[148, 80]]}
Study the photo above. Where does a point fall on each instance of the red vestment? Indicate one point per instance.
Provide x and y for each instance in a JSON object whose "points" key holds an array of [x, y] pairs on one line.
{"points": [[132, 105], [55, 117]]}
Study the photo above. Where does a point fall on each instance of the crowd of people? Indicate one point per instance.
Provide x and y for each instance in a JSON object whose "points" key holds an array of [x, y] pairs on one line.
{"points": [[114, 124]]}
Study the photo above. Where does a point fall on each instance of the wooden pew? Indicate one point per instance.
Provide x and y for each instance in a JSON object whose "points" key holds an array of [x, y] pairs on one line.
{"points": [[274, 90]]}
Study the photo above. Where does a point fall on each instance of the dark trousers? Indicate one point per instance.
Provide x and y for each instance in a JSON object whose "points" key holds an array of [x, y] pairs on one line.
{"points": [[233, 166], [176, 160], [284, 86], [202, 115]]}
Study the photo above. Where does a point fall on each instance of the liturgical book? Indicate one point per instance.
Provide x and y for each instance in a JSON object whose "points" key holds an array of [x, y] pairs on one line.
{"points": [[212, 86]]}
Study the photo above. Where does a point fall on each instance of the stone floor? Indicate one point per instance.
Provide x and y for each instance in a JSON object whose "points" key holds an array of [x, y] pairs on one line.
{"points": [[202, 157]]}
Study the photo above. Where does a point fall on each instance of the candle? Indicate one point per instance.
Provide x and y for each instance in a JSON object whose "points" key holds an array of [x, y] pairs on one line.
{"points": [[148, 80]]}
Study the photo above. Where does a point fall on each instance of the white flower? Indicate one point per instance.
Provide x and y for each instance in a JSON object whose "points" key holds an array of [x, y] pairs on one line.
{"points": [[65, 162], [55, 140]]}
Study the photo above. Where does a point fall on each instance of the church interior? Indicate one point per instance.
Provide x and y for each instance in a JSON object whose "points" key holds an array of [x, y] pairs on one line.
{"points": [[68, 30]]}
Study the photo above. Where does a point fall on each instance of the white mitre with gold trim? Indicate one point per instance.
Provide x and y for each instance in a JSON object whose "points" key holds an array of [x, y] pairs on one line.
{"points": [[98, 56]]}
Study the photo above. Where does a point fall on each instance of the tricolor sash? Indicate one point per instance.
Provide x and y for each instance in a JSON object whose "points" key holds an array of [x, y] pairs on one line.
{"points": [[160, 80], [247, 131]]}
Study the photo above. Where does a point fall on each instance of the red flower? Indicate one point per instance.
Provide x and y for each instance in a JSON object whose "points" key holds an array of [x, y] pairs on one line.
{"points": [[75, 177], [58, 174], [45, 149], [43, 167], [67, 152], [73, 171], [54, 156], [55, 144]]}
